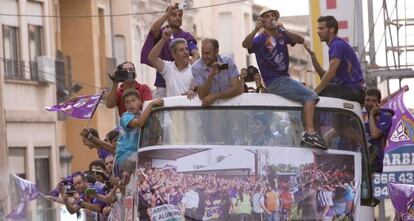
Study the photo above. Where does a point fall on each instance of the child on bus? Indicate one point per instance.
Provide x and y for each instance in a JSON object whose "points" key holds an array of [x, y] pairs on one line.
{"points": [[131, 121]]}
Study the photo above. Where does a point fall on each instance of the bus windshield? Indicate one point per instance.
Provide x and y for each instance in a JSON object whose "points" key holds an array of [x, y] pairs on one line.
{"points": [[341, 130]]}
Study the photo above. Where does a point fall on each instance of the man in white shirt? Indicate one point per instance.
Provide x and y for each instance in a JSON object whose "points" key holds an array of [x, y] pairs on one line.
{"points": [[177, 73], [258, 203], [190, 202]]}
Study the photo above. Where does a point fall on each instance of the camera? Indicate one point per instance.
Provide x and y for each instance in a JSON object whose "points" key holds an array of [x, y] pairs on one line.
{"points": [[181, 6], [69, 190], [251, 71], [223, 67], [122, 75]]}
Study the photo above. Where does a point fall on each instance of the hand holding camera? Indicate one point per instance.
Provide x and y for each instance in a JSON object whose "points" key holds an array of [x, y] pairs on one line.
{"points": [[121, 73], [217, 67]]}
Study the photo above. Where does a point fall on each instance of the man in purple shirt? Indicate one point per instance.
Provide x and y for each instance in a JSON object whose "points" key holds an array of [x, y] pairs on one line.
{"points": [[344, 78], [377, 125], [174, 17], [270, 47]]}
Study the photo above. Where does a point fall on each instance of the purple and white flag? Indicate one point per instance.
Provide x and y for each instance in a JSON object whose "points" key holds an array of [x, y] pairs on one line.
{"points": [[82, 107], [27, 191], [402, 127], [402, 198]]}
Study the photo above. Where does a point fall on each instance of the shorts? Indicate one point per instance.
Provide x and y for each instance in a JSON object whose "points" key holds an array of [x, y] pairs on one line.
{"points": [[291, 89]]}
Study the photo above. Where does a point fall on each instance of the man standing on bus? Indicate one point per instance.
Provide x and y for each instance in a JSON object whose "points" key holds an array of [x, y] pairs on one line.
{"points": [[377, 125], [270, 47], [344, 77]]}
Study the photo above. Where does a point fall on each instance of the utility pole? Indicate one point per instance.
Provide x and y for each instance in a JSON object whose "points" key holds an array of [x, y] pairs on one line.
{"points": [[371, 35], [4, 172], [371, 80]]}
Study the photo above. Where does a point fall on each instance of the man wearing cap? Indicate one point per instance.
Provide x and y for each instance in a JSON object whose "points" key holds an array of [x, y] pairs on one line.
{"points": [[270, 48], [344, 78], [174, 17]]}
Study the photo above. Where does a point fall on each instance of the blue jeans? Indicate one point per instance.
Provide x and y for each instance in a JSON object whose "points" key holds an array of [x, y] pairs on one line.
{"points": [[291, 89], [272, 217]]}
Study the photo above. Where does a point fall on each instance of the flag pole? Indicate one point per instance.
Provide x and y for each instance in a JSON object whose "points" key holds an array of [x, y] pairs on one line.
{"points": [[90, 119]]}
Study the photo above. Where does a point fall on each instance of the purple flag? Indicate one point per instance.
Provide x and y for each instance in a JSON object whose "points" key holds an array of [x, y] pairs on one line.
{"points": [[82, 107], [402, 198], [402, 128], [27, 191]]}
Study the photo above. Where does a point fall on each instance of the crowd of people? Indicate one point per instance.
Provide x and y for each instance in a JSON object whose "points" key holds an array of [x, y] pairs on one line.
{"points": [[316, 194], [180, 70]]}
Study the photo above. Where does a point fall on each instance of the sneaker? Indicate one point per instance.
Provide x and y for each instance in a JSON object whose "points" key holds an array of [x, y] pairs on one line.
{"points": [[315, 140]]}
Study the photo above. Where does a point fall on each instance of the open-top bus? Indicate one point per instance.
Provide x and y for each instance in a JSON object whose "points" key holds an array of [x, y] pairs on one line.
{"points": [[209, 163]]}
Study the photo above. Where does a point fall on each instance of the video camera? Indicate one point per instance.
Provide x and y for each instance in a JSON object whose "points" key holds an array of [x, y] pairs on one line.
{"points": [[251, 71], [122, 75]]}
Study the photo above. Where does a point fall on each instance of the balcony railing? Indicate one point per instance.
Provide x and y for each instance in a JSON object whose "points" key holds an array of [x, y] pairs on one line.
{"points": [[14, 69]]}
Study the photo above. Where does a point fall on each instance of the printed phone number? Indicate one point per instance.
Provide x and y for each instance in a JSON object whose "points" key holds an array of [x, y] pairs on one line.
{"points": [[381, 180], [402, 177]]}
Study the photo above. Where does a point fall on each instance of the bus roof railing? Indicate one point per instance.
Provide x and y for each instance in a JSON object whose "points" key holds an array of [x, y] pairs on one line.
{"points": [[262, 100]]}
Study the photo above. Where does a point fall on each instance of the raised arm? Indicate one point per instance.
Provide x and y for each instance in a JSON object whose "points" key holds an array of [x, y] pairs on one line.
{"points": [[102, 144], [110, 99], [156, 26], [374, 130], [248, 40], [153, 56]]}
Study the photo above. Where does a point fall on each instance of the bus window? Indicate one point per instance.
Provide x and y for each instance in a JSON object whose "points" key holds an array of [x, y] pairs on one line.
{"points": [[249, 127], [341, 131]]}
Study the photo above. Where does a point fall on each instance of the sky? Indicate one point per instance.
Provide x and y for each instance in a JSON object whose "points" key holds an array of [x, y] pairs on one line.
{"points": [[301, 7]]}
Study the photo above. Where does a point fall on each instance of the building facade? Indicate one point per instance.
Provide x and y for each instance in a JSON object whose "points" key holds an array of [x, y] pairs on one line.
{"points": [[27, 72]]}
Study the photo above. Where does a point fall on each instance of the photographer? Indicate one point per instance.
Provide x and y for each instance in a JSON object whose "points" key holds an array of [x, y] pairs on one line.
{"points": [[76, 201], [215, 76], [125, 73], [251, 74]]}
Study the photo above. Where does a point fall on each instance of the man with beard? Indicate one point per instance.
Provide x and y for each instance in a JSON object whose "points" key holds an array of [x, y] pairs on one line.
{"points": [[344, 78], [269, 40]]}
